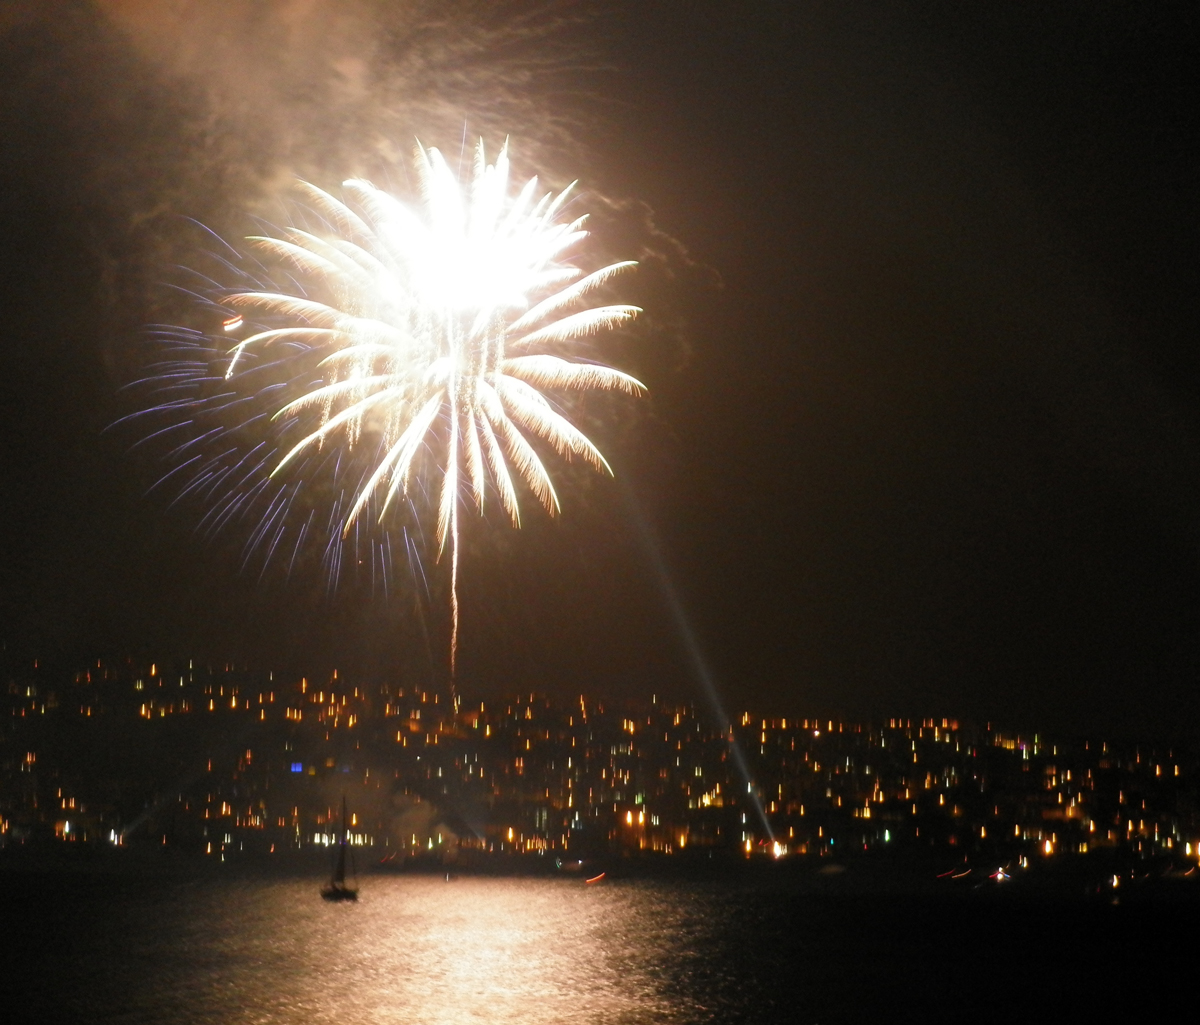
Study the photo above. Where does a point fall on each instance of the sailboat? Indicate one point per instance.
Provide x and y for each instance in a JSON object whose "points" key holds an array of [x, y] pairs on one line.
{"points": [[336, 888]]}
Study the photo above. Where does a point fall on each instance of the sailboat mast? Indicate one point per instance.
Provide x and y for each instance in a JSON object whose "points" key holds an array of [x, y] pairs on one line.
{"points": [[339, 875]]}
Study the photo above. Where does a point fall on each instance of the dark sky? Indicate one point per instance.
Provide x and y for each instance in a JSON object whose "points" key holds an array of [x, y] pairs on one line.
{"points": [[921, 296]]}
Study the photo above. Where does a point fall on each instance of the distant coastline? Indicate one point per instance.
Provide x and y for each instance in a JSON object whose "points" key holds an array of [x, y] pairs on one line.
{"points": [[161, 765]]}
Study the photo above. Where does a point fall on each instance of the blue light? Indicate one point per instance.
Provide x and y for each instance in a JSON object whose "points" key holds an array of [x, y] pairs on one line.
{"points": [[297, 766]]}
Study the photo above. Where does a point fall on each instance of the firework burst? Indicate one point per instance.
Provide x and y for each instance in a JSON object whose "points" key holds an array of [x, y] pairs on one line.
{"points": [[440, 328]]}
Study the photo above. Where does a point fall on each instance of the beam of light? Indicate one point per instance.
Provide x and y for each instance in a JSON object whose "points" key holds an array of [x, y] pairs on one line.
{"points": [[691, 646], [437, 328]]}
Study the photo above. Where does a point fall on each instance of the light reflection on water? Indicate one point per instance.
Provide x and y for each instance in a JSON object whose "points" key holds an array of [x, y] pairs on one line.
{"points": [[123, 949], [417, 950]]}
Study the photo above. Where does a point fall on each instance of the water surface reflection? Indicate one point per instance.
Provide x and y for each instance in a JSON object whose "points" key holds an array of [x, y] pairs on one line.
{"points": [[416, 950]]}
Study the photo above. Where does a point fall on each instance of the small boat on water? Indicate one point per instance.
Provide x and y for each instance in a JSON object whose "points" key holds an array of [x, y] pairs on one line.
{"points": [[336, 888]]}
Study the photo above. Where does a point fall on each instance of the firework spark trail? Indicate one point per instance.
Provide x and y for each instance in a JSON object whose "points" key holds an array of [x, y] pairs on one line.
{"points": [[432, 338]]}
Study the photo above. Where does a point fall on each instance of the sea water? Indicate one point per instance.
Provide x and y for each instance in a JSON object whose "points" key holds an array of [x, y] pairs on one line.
{"points": [[424, 950]]}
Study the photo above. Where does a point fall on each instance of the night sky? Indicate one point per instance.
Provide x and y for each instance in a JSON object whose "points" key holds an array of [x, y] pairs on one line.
{"points": [[920, 339]]}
